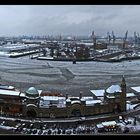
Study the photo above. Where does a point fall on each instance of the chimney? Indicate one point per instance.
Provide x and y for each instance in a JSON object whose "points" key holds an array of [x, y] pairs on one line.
{"points": [[66, 96], [80, 96]]}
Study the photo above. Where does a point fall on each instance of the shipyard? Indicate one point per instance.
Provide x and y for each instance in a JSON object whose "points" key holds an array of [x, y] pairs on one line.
{"points": [[69, 70], [57, 80]]}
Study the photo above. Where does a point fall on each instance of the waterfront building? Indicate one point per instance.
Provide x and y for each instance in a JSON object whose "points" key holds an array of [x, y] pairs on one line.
{"points": [[36, 103]]}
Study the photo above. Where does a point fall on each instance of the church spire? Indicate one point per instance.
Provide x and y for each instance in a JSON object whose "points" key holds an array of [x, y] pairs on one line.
{"points": [[123, 94]]}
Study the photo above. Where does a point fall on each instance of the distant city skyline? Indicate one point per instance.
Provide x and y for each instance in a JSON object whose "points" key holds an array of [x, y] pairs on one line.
{"points": [[73, 20]]}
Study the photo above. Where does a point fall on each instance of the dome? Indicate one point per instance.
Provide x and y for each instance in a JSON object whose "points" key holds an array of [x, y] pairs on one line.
{"points": [[32, 92]]}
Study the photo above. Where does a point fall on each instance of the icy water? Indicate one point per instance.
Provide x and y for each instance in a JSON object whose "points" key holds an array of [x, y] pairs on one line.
{"points": [[66, 77]]}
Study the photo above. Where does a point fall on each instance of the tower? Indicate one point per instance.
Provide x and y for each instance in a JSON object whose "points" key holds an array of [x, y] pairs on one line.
{"points": [[32, 102], [123, 95]]}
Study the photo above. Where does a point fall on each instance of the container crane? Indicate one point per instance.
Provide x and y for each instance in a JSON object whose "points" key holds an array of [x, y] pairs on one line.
{"points": [[124, 39], [94, 42], [113, 37], [108, 37]]}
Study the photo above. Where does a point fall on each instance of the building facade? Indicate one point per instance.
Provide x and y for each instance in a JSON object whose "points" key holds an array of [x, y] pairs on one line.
{"points": [[33, 103]]}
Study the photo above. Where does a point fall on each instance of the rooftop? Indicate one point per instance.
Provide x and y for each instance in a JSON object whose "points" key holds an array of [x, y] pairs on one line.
{"points": [[113, 89], [130, 95], [137, 89], [9, 92], [98, 92]]}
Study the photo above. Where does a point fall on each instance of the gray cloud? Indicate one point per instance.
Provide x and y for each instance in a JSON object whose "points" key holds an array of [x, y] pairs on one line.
{"points": [[68, 19]]}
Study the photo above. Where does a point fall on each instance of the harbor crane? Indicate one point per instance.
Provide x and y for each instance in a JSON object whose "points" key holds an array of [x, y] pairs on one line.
{"points": [[136, 39], [124, 39], [113, 37], [108, 37], [94, 41]]}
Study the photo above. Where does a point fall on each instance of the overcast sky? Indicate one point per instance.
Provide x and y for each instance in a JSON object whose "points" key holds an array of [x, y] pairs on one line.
{"points": [[68, 19]]}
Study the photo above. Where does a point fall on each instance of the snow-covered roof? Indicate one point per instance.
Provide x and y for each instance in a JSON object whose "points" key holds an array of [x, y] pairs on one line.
{"points": [[91, 102], [90, 44], [130, 107], [68, 100], [101, 98], [111, 97], [6, 87], [137, 89], [99, 125], [82, 99], [113, 89], [9, 92], [52, 98], [130, 95], [22, 94], [108, 123], [87, 97], [75, 101], [98, 92]]}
